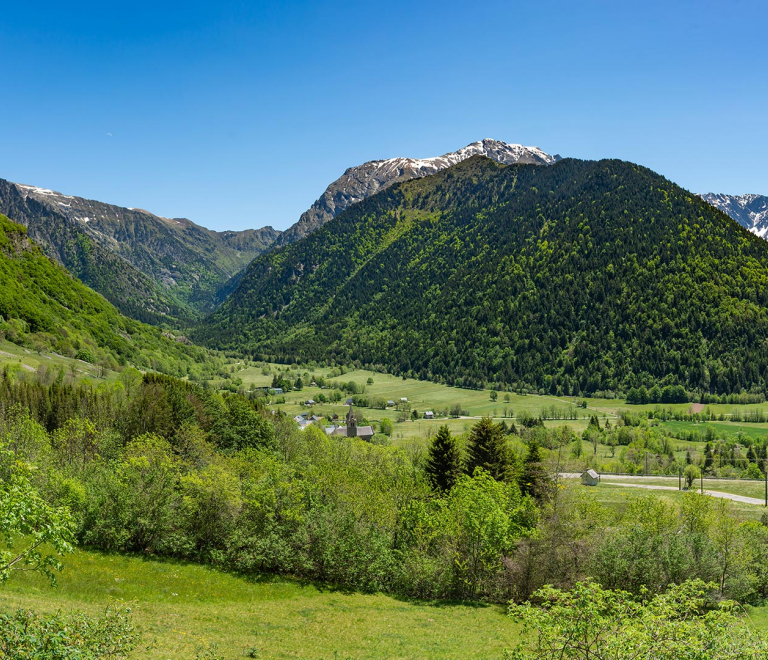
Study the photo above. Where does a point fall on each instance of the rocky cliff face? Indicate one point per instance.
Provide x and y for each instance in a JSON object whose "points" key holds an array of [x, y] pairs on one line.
{"points": [[369, 178], [177, 259], [750, 211]]}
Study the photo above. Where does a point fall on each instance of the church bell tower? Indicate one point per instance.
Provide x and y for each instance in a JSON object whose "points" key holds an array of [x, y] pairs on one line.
{"points": [[351, 423]]}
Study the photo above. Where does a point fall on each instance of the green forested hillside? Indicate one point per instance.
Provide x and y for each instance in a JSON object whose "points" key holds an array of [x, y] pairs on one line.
{"points": [[44, 308], [157, 270], [578, 277]]}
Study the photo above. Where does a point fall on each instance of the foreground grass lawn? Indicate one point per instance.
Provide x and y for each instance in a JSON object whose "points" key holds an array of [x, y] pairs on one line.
{"points": [[181, 607]]}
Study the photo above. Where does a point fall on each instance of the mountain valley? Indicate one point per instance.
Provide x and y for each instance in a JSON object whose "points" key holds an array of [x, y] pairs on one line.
{"points": [[158, 270]]}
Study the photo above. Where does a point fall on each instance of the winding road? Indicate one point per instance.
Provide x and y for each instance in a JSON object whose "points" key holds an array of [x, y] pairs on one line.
{"points": [[714, 493]]}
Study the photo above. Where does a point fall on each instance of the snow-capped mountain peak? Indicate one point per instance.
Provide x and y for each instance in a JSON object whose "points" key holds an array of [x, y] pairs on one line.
{"points": [[364, 180]]}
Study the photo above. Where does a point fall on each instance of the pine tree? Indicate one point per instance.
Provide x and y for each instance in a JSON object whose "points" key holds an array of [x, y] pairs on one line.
{"points": [[708, 457], [533, 480], [443, 465], [487, 449]]}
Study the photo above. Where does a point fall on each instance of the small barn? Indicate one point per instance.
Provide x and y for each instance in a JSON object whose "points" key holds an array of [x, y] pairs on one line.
{"points": [[429, 415], [590, 478], [390, 404]]}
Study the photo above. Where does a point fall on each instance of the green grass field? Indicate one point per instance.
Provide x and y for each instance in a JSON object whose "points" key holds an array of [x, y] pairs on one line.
{"points": [[614, 406], [181, 607], [424, 395], [733, 429], [615, 497], [421, 395], [747, 488], [30, 361]]}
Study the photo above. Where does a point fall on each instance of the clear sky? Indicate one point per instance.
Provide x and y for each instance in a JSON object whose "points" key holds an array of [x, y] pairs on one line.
{"points": [[239, 115]]}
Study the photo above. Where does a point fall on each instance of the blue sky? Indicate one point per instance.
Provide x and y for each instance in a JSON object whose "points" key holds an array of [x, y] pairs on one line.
{"points": [[238, 115]]}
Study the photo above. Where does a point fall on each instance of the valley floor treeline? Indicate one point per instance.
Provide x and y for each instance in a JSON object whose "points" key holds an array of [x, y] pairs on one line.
{"points": [[165, 467]]}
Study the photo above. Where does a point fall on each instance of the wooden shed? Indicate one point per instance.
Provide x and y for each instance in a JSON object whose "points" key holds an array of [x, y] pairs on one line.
{"points": [[590, 478]]}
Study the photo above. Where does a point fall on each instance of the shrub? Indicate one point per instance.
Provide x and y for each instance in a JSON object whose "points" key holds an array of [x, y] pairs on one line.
{"points": [[592, 622], [25, 634], [691, 474]]}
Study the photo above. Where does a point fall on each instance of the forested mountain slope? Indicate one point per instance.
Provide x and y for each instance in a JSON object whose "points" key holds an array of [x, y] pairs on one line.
{"points": [[124, 285], [43, 307], [152, 268], [577, 277]]}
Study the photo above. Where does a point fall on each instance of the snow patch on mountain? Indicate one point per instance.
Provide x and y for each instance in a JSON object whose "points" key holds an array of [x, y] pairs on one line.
{"points": [[750, 211]]}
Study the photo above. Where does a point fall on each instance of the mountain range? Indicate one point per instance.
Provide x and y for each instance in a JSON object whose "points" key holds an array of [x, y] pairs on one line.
{"points": [[172, 271], [750, 211], [300, 297], [158, 270], [576, 277]]}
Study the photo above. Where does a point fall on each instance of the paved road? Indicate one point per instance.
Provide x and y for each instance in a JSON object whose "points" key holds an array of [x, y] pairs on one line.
{"points": [[714, 493]]}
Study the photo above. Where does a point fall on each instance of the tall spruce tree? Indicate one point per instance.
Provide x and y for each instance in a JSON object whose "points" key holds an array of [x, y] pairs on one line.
{"points": [[443, 461], [488, 449], [533, 477]]}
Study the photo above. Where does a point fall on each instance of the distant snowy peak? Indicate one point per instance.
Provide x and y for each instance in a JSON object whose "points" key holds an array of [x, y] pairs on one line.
{"points": [[750, 211], [365, 180], [498, 151]]}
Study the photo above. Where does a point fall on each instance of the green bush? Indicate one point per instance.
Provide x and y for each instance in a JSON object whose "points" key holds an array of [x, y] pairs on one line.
{"points": [[85, 355], [25, 634], [592, 622]]}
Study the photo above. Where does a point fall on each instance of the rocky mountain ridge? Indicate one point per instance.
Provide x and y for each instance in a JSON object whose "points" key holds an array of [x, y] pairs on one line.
{"points": [[158, 269], [364, 180], [750, 211]]}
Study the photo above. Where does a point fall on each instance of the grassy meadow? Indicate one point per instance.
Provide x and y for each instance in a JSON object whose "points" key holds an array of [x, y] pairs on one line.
{"points": [[614, 492], [182, 608], [30, 361], [421, 395]]}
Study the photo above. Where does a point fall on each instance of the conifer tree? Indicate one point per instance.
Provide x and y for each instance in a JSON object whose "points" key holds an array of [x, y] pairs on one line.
{"points": [[709, 458], [533, 479], [443, 461], [487, 449]]}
